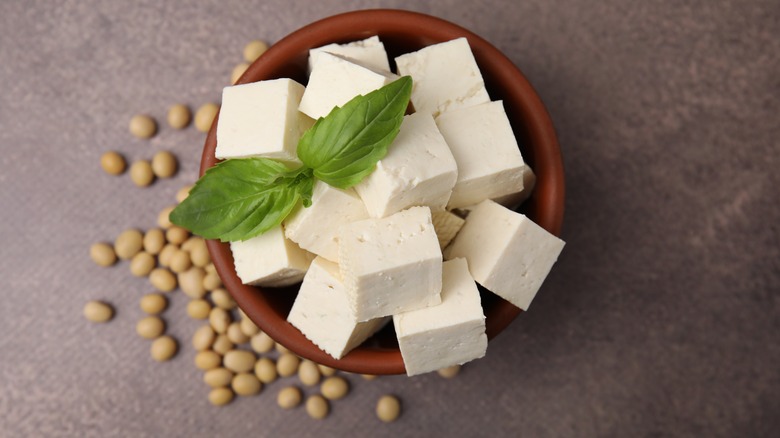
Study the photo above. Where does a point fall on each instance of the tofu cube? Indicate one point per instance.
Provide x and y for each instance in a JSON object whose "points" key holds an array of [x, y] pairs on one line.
{"points": [[261, 119], [514, 200], [391, 265], [315, 228], [489, 162], [446, 77], [369, 52], [448, 334], [270, 260], [335, 80], [507, 253], [446, 224], [419, 169], [322, 312]]}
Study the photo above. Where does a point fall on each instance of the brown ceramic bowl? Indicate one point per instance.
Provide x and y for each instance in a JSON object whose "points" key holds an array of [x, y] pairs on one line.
{"points": [[401, 32]]}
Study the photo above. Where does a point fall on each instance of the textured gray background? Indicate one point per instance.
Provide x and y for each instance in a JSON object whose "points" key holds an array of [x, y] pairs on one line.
{"points": [[660, 319]]}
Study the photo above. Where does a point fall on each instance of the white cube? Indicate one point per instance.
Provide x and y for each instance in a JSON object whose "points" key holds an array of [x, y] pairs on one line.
{"points": [[507, 253], [335, 80], [448, 334], [315, 228], [261, 119], [270, 260], [419, 169], [446, 77], [514, 200], [391, 265], [322, 312], [369, 52], [446, 224], [489, 161]]}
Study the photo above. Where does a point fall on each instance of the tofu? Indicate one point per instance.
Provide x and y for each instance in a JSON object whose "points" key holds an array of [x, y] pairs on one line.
{"points": [[369, 52], [261, 119], [418, 170], [507, 253], [391, 265], [514, 200], [270, 260], [489, 161], [335, 81], [315, 228], [446, 77], [446, 224], [322, 313], [448, 334]]}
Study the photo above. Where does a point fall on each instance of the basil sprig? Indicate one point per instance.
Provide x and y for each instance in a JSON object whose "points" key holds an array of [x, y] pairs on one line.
{"points": [[241, 198]]}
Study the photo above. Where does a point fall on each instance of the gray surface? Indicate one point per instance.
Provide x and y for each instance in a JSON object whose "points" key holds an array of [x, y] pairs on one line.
{"points": [[661, 317]]}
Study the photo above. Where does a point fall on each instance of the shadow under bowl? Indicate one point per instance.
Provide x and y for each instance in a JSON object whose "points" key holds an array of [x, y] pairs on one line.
{"points": [[401, 32]]}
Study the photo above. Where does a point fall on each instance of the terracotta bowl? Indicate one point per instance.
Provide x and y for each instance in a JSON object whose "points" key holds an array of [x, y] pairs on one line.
{"points": [[401, 32]]}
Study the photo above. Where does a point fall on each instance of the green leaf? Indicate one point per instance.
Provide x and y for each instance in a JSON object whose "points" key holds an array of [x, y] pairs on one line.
{"points": [[344, 146], [240, 198]]}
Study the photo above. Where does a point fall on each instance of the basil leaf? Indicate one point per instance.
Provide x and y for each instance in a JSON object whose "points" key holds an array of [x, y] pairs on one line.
{"points": [[240, 198], [344, 146]]}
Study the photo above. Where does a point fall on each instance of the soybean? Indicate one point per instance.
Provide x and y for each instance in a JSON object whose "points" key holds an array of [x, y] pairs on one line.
{"points": [[153, 304], [238, 70], [113, 163], [182, 194], [150, 327], [163, 348], [449, 372], [218, 377], [334, 388], [308, 373], [235, 334], [204, 116], [198, 309], [176, 234], [102, 254], [220, 396], [246, 384], [142, 264], [287, 364], [219, 319], [254, 49], [191, 283], [222, 344], [207, 360], [239, 361], [128, 243], [203, 338], [326, 370], [222, 299], [262, 343], [212, 281], [167, 252], [141, 173], [180, 261], [317, 407], [164, 164], [388, 408], [162, 279], [143, 126], [289, 397], [265, 370], [154, 241], [179, 116], [248, 327], [98, 311], [163, 219]]}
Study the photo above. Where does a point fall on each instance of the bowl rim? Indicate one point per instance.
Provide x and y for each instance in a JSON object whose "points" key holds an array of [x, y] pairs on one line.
{"points": [[550, 179]]}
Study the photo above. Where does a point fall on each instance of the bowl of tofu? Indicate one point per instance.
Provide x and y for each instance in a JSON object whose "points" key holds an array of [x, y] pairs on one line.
{"points": [[443, 244]]}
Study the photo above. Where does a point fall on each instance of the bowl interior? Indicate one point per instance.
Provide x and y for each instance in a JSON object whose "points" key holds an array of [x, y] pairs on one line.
{"points": [[401, 32]]}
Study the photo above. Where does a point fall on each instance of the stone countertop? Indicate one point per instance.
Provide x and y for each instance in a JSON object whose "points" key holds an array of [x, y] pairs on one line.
{"points": [[661, 317]]}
